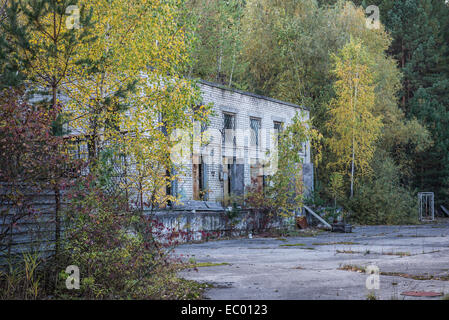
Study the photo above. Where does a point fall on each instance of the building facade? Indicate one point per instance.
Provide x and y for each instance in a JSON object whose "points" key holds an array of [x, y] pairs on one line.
{"points": [[237, 148]]}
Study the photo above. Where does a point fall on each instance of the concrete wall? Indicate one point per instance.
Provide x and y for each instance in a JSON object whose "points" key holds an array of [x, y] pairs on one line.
{"points": [[203, 225]]}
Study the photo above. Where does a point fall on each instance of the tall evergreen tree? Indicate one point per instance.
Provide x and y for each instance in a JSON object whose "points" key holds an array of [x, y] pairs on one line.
{"points": [[419, 30], [38, 41]]}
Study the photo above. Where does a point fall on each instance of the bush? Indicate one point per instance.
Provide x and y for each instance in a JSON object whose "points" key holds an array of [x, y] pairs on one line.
{"points": [[117, 251], [383, 200]]}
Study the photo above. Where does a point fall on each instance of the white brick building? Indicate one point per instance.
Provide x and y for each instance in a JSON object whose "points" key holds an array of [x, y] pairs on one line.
{"points": [[224, 167], [240, 132]]}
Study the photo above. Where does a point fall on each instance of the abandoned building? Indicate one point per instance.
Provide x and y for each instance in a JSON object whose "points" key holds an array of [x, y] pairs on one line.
{"points": [[232, 152], [241, 130]]}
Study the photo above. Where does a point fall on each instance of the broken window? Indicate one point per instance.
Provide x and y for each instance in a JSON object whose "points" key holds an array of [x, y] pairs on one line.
{"points": [[228, 128], [278, 127], [199, 173], [256, 170], [255, 125]]}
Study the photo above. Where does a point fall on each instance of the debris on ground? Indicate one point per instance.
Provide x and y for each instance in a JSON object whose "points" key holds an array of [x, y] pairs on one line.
{"points": [[341, 227]]}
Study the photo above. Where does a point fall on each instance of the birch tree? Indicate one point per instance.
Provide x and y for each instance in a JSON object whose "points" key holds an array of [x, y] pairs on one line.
{"points": [[353, 126]]}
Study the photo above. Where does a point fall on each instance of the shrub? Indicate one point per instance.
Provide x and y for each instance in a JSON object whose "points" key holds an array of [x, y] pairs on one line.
{"points": [[118, 250], [382, 199], [32, 163]]}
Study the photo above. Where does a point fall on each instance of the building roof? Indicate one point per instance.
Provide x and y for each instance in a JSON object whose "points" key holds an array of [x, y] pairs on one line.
{"points": [[254, 95]]}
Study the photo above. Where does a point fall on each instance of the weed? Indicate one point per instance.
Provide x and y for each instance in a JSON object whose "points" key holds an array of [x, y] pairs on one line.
{"points": [[332, 243], [292, 245], [348, 251], [205, 264], [371, 296]]}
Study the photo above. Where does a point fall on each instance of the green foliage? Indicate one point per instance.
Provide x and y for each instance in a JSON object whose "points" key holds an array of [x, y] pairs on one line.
{"points": [[116, 250], [36, 46], [22, 279], [336, 186], [218, 39], [382, 199], [420, 45], [286, 53], [283, 193]]}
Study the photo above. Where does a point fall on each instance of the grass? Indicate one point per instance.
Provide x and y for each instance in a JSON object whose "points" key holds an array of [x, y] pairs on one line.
{"points": [[332, 243], [351, 267], [206, 264], [400, 253], [292, 245], [371, 296], [310, 232], [348, 251], [191, 290]]}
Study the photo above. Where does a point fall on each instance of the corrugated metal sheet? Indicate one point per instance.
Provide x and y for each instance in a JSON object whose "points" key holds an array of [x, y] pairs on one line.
{"points": [[35, 231]]}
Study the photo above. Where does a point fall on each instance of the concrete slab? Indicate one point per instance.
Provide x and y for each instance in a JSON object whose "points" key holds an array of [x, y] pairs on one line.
{"points": [[309, 267]]}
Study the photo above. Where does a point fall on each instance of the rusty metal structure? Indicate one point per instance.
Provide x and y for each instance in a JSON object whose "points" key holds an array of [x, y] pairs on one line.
{"points": [[426, 206]]}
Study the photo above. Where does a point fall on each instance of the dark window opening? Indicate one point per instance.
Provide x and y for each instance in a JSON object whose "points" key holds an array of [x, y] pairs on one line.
{"points": [[255, 125]]}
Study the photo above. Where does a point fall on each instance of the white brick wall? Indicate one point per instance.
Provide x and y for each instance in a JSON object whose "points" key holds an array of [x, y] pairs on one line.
{"points": [[244, 106]]}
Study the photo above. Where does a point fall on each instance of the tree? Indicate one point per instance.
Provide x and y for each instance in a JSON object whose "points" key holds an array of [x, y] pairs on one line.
{"points": [[419, 34], [287, 48], [37, 50], [218, 40], [283, 193], [279, 41], [336, 185], [131, 95], [354, 127], [37, 44], [32, 162]]}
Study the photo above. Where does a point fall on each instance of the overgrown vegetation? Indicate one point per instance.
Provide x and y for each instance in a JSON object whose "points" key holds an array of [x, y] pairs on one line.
{"points": [[299, 51], [92, 106], [283, 193], [382, 199], [101, 157]]}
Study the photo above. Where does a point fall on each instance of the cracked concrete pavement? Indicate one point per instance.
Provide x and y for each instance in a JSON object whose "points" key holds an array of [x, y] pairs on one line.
{"points": [[308, 267]]}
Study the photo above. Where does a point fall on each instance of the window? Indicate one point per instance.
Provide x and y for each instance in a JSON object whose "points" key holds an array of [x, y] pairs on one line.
{"points": [[228, 128], [199, 175], [255, 125], [278, 127]]}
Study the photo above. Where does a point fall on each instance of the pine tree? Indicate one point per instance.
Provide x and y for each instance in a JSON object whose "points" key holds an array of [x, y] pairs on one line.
{"points": [[37, 43], [419, 30]]}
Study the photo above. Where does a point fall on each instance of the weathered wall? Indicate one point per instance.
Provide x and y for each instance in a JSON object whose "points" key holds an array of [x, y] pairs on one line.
{"points": [[35, 231], [202, 225], [244, 106]]}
